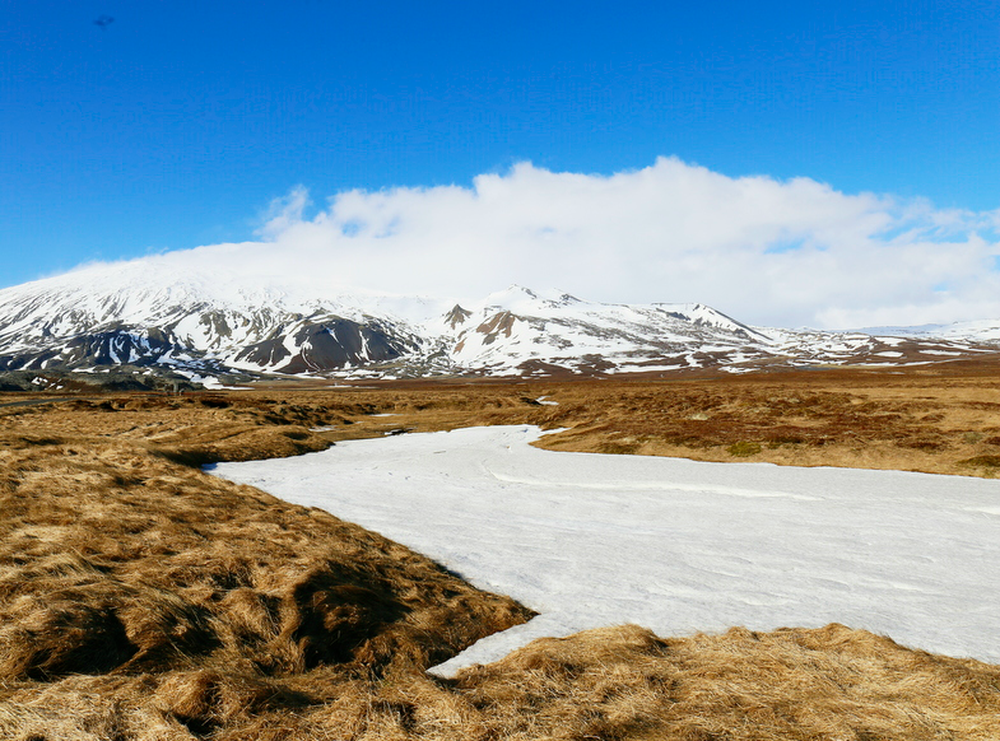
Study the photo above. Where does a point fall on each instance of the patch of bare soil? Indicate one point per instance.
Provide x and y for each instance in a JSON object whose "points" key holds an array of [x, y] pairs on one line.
{"points": [[141, 598]]}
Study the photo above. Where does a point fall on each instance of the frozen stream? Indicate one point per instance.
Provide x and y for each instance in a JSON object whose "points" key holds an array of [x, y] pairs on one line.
{"points": [[674, 545]]}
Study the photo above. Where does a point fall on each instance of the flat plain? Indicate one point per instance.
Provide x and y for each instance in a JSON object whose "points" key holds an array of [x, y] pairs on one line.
{"points": [[142, 598]]}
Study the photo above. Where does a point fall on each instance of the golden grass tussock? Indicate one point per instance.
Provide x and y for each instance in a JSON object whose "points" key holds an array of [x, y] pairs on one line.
{"points": [[614, 683], [829, 683], [142, 598]]}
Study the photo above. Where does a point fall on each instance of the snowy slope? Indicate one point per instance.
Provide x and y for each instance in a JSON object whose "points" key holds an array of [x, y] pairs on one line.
{"points": [[156, 313], [518, 330], [977, 331], [128, 313], [674, 545]]}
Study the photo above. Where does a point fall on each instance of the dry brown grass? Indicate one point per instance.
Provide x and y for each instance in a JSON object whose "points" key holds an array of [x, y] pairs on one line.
{"points": [[830, 683], [141, 598], [945, 421], [119, 559]]}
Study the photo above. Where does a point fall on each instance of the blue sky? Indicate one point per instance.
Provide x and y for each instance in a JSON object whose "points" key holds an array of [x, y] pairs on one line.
{"points": [[178, 123]]}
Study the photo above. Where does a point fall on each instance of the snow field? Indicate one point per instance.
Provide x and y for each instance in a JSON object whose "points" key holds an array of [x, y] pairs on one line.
{"points": [[674, 545]]}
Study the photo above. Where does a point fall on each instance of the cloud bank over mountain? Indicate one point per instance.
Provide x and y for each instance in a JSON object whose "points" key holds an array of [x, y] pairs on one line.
{"points": [[779, 253]]}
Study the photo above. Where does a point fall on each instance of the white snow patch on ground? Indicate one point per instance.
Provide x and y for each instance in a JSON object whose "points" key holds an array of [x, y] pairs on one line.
{"points": [[674, 545]]}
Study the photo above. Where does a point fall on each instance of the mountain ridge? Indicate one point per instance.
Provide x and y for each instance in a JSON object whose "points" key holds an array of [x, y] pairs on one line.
{"points": [[219, 329]]}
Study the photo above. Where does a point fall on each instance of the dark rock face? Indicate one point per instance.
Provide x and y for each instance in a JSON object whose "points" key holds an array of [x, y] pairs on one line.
{"points": [[339, 342], [117, 347], [112, 347], [267, 353]]}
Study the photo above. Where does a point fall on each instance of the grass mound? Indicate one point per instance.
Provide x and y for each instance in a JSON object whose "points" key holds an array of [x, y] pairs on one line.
{"points": [[829, 683]]}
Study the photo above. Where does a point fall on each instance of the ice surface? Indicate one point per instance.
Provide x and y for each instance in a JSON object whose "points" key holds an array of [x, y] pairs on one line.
{"points": [[674, 545]]}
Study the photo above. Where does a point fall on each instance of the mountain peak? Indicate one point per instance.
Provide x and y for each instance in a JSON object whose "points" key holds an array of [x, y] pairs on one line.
{"points": [[456, 316]]}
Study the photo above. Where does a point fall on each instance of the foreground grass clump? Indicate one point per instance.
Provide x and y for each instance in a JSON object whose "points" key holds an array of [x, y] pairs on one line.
{"points": [[142, 599], [830, 683], [121, 560], [128, 573], [615, 683]]}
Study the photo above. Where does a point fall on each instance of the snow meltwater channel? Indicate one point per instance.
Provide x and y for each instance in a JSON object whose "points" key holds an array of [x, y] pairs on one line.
{"points": [[674, 545]]}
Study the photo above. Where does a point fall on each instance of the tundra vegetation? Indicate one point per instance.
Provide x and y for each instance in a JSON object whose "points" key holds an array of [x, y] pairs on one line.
{"points": [[142, 598]]}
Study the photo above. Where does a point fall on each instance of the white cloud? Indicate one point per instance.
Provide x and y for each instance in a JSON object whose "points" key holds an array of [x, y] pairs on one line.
{"points": [[773, 252]]}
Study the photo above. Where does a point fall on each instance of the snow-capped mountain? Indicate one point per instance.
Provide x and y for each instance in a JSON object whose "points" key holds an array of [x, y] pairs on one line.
{"points": [[976, 331], [144, 314], [519, 331], [197, 324]]}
